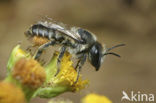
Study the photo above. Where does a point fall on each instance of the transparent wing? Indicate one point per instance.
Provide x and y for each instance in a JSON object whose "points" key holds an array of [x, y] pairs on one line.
{"points": [[72, 33], [68, 31]]}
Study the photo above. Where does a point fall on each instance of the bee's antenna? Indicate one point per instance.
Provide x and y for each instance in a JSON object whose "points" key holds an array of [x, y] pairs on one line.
{"points": [[115, 46], [112, 54]]}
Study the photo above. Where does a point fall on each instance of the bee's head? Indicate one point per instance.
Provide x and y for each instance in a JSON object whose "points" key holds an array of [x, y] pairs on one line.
{"points": [[97, 53]]}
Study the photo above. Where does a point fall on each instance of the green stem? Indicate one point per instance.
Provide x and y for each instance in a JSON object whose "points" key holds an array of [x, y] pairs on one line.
{"points": [[50, 92], [51, 68]]}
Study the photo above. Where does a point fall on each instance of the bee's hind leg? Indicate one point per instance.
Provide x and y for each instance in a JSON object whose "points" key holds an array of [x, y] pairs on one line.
{"points": [[43, 47], [79, 65], [63, 50]]}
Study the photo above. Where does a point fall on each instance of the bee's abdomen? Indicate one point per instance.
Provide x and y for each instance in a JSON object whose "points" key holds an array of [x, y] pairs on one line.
{"points": [[42, 31]]}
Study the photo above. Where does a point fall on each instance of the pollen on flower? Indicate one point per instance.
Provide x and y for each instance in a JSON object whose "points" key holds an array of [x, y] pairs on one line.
{"points": [[81, 84], [11, 94], [95, 98], [68, 75], [29, 72]]}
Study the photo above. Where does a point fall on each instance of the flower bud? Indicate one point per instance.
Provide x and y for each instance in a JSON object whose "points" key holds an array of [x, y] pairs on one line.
{"points": [[95, 98], [29, 72], [9, 93]]}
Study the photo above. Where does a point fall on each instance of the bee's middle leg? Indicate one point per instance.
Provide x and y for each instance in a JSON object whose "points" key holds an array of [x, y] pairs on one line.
{"points": [[63, 50]]}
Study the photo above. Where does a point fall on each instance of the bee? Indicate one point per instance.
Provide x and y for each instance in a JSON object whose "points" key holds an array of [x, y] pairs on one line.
{"points": [[79, 42]]}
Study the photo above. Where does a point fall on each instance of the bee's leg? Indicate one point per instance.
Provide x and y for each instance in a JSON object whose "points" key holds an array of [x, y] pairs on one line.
{"points": [[42, 62], [30, 47], [79, 65], [63, 49], [42, 47]]}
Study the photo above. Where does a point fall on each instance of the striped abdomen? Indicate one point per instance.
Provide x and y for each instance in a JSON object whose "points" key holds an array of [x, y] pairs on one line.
{"points": [[40, 30], [40, 33]]}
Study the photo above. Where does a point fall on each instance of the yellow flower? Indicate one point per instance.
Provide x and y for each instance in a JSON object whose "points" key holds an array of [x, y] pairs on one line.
{"points": [[67, 75], [64, 81], [59, 101], [36, 80], [11, 94], [29, 72], [95, 98], [25, 72]]}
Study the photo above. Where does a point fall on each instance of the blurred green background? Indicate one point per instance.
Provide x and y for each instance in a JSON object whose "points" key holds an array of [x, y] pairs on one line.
{"points": [[132, 22]]}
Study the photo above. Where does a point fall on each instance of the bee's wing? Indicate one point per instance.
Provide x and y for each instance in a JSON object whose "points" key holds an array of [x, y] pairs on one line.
{"points": [[71, 33]]}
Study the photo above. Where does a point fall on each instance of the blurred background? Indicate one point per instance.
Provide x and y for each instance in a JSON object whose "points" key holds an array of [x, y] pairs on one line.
{"points": [[132, 22]]}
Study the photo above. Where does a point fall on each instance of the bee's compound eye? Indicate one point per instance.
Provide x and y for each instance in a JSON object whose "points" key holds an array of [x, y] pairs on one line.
{"points": [[95, 55]]}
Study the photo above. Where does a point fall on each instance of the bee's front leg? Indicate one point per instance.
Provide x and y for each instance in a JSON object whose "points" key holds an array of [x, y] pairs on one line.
{"points": [[29, 48], [63, 50], [79, 65]]}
